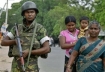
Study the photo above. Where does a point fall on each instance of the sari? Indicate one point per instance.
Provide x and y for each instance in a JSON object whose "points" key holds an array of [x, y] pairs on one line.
{"points": [[88, 54]]}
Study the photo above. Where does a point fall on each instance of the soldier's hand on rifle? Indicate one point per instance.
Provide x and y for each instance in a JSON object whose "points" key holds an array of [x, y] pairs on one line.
{"points": [[20, 42], [25, 53]]}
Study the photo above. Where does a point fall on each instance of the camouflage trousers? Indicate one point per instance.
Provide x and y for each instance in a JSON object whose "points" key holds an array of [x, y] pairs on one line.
{"points": [[32, 66]]}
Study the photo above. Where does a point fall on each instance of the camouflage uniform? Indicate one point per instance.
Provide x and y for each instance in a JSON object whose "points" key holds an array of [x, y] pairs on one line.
{"points": [[24, 32]]}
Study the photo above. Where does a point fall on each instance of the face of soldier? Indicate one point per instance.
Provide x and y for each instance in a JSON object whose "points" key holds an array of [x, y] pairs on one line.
{"points": [[29, 15]]}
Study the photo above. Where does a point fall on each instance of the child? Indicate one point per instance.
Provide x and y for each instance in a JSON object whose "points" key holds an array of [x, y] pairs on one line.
{"points": [[84, 22]]}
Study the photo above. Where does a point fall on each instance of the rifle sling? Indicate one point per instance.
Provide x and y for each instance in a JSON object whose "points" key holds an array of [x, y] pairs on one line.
{"points": [[31, 42]]}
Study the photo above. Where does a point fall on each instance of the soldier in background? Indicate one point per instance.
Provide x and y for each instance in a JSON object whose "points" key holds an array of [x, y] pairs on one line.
{"points": [[41, 42]]}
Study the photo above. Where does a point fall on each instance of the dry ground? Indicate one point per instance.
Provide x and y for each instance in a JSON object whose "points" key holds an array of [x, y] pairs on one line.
{"points": [[5, 61]]}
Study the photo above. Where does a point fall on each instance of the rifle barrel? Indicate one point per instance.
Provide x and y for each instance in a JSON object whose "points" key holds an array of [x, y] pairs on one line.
{"points": [[19, 48]]}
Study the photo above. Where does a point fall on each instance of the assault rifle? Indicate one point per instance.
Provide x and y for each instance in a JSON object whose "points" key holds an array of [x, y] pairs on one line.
{"points": [[19, 48]]}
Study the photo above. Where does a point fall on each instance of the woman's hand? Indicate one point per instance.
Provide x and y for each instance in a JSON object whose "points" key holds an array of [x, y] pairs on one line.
{"points": [[75, 42], [68, 69], [25, 53], [21, 41]]}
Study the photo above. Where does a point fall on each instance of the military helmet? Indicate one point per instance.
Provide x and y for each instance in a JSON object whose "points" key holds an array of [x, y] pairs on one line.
{"points": [[28, 5]]}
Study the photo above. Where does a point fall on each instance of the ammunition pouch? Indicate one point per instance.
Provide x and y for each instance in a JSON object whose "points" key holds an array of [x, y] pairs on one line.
{"points": [[45, 55], [15, 50], [10, 51], [11, 55]]}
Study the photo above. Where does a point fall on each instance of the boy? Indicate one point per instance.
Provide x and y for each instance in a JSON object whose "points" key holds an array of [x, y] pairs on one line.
{"points": [[84, 22]]}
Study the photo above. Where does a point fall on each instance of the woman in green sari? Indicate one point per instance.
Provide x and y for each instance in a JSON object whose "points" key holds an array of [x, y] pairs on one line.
{"points": [[90, 52]]}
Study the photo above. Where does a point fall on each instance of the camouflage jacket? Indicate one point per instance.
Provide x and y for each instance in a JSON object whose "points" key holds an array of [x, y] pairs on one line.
{"points": [[26, 33]]}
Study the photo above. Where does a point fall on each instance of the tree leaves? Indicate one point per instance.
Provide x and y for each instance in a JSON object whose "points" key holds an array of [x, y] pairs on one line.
{"points": [[52, 13]]}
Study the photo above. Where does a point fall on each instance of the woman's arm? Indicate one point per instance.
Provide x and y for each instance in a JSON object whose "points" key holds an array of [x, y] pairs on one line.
{"points": [[63, 43], [71, 61], [104, 63], [72, 58]]}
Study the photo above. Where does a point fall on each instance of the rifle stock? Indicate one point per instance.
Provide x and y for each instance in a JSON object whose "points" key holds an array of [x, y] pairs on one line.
{"points": [[19, 48]]}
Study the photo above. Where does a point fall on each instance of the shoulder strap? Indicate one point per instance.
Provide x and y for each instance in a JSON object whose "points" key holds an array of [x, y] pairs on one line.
{"points": [[32, 42]]}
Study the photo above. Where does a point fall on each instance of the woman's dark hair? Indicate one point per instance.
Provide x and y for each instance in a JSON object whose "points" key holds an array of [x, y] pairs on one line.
{"points": [[94, 22], [70, 19], [84, 18]]}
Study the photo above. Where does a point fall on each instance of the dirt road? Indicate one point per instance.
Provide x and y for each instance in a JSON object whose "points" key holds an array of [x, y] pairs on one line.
{"points": [[5, 61], [54, 62]]}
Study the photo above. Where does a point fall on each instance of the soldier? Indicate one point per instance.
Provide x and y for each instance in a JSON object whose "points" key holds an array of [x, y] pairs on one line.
{"points": [[41, 42]]}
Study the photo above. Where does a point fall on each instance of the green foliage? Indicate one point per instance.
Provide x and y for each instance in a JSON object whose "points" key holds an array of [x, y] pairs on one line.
{"points": [[99, 13], [56, 17], [52, 13], [53, 17]]}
